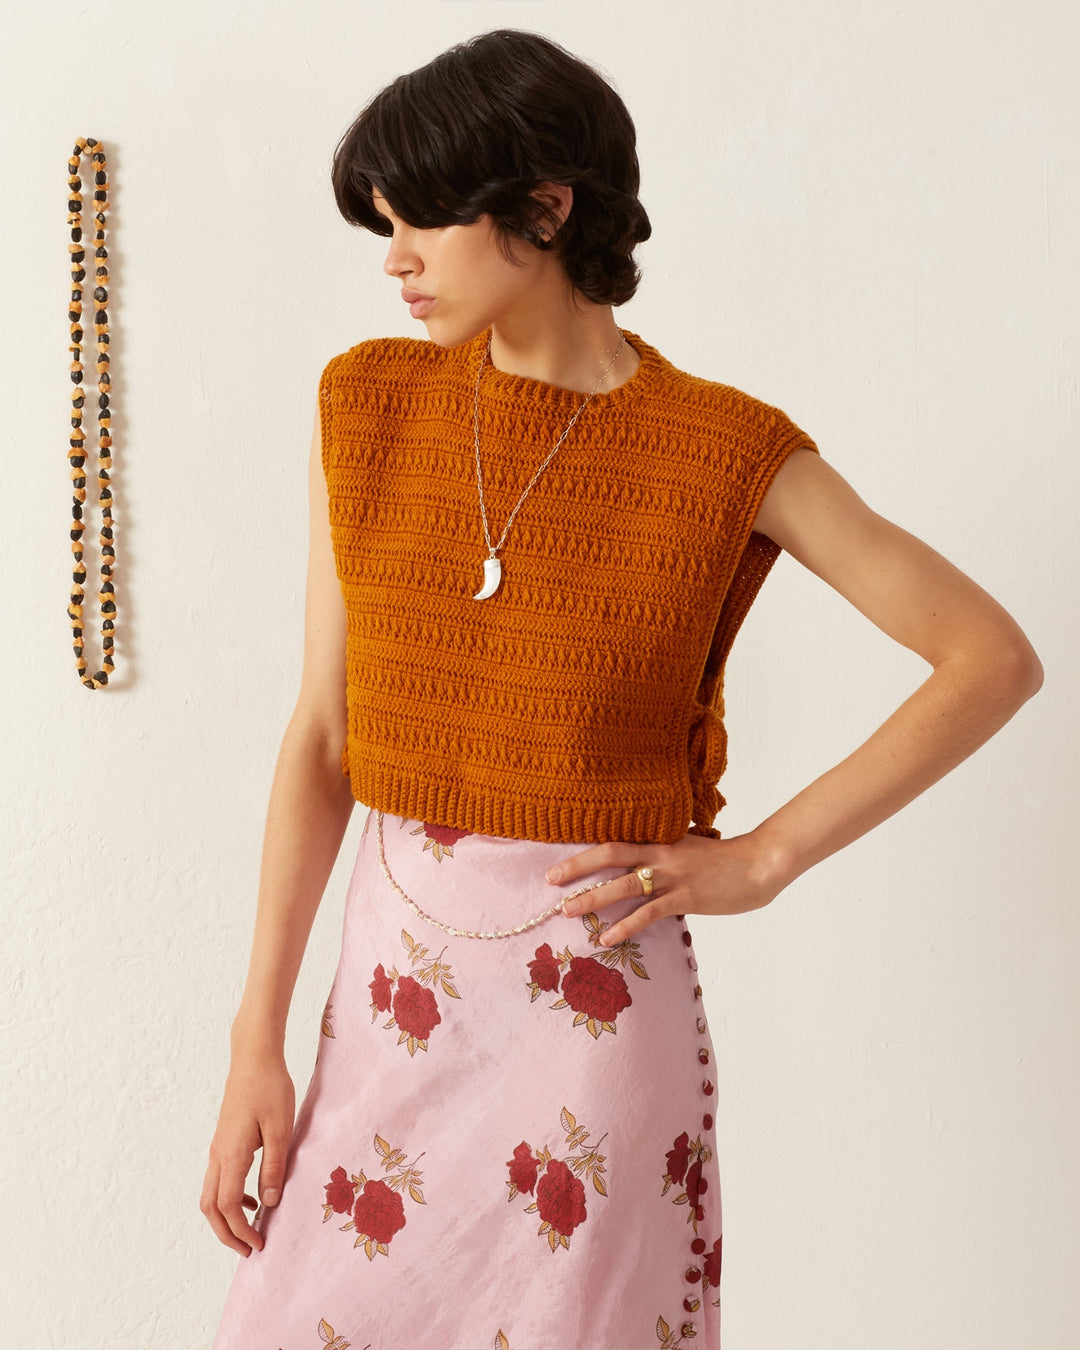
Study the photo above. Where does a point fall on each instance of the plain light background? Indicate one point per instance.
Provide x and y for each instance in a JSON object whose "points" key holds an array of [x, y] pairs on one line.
{"points": [[865, 213]]}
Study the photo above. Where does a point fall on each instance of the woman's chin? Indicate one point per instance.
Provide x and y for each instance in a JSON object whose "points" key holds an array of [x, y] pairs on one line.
{"points": [[451, 335]]}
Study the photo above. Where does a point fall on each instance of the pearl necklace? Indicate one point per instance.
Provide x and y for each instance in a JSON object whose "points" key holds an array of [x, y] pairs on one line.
{"points": [[469, 932]]}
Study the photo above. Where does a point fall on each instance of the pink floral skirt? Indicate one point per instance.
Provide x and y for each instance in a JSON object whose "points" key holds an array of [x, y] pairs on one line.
{"points": [[506, 1142]]}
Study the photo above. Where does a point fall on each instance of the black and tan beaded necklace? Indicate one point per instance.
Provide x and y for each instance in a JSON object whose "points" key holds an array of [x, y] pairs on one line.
{"points": [[76, 454]]}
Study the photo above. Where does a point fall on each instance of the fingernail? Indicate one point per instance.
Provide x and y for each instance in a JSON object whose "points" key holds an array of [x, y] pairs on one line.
{"points": [[571, 906], [271, 1197], [553, 874]]}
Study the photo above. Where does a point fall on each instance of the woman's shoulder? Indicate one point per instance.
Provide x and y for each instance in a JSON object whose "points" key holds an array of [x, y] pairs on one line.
{"points": [[392, 355], [711, 396], [706, 406]]}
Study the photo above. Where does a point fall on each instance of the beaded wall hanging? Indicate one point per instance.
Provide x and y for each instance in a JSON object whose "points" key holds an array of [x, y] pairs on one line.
{"points": [[87, 145]]}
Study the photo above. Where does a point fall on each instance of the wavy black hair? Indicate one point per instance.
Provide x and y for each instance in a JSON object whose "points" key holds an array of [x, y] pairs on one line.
{"points": [[478, 129]]}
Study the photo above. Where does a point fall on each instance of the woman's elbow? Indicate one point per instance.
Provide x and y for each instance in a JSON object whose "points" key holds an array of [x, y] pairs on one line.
{"points": [[1018, 668]]}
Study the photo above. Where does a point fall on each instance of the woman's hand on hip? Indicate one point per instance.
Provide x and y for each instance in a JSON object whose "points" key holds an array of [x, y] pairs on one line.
{"points": [[256, 1112], [695, 875]]}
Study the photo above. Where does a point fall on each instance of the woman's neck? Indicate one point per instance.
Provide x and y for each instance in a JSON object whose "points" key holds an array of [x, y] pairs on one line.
{"points": [[570, 348]]}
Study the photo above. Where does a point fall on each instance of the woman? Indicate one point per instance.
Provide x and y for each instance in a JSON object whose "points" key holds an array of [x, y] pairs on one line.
{"points": [[533, 540]]}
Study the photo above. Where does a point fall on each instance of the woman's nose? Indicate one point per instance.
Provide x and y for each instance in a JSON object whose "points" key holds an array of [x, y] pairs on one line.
{"points": [[400, 256]]}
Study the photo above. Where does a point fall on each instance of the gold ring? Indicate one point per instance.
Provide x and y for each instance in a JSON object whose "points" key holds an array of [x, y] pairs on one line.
{"points": [[645, 876]]}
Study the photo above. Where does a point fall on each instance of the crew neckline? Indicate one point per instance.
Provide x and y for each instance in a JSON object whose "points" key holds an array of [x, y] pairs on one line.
{"points": [[527, 388]]}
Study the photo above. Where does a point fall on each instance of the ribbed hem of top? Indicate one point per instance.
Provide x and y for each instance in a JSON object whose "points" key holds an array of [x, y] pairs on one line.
{"points": [[567, 821]]}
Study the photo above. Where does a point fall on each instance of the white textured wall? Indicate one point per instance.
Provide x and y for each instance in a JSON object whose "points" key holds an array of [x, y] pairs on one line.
{"points": [[865, 213]]}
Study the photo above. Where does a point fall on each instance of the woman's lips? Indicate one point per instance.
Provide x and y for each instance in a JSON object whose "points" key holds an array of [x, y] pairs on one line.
{"points": [[419, 303]]}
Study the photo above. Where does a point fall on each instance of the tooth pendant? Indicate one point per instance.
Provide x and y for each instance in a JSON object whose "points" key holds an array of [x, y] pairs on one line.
{"points": [[492, 579]]}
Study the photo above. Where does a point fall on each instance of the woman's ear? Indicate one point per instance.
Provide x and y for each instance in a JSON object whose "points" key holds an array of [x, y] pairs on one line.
{"points": [[555, 201]]}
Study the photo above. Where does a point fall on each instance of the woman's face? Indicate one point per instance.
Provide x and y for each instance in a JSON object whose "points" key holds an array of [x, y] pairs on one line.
{"points": [[469, 282]]}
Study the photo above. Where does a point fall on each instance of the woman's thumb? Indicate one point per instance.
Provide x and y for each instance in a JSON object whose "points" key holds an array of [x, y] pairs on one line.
{"points": [[272, 1168]]}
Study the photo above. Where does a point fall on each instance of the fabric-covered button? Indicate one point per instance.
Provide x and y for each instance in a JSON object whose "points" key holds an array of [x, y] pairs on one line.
{"points": [[703, 1055], [691, 962], [691, 1304], [697, 1246], [693, 1274], [686, 938], [706, 1121], [701, 1026], [707, 1088]]}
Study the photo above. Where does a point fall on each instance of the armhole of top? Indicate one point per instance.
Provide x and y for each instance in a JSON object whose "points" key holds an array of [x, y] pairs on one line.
{"points": [[756, 556], [325, 403], [326, 409]]}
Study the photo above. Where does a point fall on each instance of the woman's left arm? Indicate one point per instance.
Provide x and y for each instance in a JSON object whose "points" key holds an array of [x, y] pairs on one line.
{"points": [[984, 668]]}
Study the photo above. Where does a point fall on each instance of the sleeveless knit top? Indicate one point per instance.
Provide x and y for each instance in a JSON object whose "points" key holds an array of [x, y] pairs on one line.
{"points": [[583, 701]]}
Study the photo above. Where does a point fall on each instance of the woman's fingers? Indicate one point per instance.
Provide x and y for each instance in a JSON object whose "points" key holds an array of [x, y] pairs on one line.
{"points": [[256, 1113], [633, 923], [230, 1204], [595, 859], [596, 895], [222, 1202], [208, 1203], [696, 874], [624, 887]]}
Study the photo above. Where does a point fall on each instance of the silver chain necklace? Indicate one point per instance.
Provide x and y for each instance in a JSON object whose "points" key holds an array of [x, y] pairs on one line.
{"points": [[492, 564]]}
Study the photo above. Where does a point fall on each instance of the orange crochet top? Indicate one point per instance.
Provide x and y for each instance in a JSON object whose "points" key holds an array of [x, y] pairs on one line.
{"points": [[583, 701]]}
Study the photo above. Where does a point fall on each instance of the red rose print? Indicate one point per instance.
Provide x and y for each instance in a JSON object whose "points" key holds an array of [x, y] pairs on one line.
{"points": [[545, 969], [440, 839], [677, 1157], [523, 1168], [692, 1178], [712, 1262], [414, 1004], [696, 1186], [560, 1183], [339, 1191], [443, 834], [380, 989], [415, 1009], [560, 1197], [591, 988], [379, 1211]]}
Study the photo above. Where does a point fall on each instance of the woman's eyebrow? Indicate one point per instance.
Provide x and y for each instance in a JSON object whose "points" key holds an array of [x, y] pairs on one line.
{"points": [[388, 213]]}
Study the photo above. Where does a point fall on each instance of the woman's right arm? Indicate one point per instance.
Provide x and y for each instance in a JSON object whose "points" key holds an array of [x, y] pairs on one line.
{"points": [[310, 805]]}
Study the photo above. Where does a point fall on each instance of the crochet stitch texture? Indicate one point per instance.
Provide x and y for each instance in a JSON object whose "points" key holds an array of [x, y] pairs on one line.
{"points": [[584, 701]]}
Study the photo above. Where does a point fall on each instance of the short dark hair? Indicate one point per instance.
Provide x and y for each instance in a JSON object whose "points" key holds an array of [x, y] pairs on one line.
{"points": [[477, 129]]}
